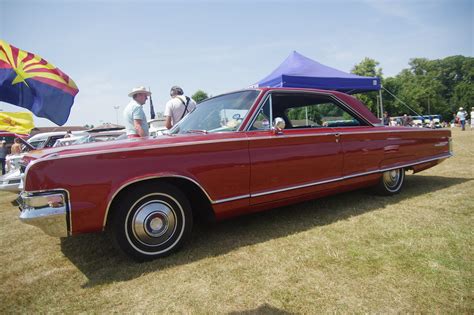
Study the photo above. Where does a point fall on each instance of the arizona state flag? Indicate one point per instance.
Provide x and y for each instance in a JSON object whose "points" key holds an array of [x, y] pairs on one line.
{"points": [[29, 81], [16, 122]]}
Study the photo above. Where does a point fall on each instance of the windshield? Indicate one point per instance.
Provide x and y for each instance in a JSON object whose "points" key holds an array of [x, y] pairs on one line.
{"points": [[218, 114], [37, 144]]}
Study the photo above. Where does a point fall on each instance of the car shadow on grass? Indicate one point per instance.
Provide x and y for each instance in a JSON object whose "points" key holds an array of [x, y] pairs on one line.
{"points": [[100, 262]]}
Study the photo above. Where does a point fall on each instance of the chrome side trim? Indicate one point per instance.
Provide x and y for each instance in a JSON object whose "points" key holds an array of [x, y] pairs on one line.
{"points": [[219, 201], [296, 187], [381, 170], [231, 199], [285, 135], [444, 156], [154, 177], [402, 130]]}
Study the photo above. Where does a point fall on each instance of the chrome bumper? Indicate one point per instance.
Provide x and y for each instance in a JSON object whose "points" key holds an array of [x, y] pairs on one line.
{"points": [[47, 210]]}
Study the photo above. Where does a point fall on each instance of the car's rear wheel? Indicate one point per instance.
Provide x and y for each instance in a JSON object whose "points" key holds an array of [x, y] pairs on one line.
{"points": [[151, 221], [391, 182]]}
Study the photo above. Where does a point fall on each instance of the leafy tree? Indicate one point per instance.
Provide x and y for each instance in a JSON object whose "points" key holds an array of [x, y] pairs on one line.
{"points": [[463, 96], [368, 68], [199, 96], [428, 86]]}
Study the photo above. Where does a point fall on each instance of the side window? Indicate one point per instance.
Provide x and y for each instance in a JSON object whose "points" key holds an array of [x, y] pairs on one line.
{"points": [[311, 111], [304, 117], [332, 115], [262, 122]]}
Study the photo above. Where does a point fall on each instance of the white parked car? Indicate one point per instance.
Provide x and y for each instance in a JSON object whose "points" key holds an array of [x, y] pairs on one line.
{"points": [[90, 137], [11, 181], [48, 139], [12, 178], [156, 127]]}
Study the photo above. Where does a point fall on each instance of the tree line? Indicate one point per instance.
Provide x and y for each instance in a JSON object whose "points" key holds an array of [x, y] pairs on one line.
{"points": [[437, 86]]}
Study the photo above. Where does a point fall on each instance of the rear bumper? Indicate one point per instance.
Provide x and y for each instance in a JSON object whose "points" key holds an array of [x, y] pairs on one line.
{"points": [[48, 211]]}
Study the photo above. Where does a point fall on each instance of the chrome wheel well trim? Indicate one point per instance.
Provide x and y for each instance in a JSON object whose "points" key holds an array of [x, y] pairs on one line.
{"points": [[121, 188]]}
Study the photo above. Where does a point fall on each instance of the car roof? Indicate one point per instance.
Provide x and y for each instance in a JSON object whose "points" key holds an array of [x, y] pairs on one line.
{"points": [[45, 135]]}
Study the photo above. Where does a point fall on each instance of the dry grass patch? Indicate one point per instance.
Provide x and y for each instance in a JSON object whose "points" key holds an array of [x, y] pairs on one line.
{"points": [[353, 252]]}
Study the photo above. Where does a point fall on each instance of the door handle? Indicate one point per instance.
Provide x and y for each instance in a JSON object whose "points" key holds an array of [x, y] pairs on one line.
{"points": [[337, 135]]}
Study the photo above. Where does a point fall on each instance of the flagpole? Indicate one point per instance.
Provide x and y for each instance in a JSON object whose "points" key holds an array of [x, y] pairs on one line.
{"points": [[152, 110]]}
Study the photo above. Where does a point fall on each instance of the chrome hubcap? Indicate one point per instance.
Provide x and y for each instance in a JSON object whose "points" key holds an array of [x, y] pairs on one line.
{"points": [[391, 178], [154, 223]]}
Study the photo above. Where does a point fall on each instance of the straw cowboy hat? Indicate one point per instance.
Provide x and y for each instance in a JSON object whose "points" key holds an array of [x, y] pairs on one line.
{"points": [[460, 108], [137, 90]]}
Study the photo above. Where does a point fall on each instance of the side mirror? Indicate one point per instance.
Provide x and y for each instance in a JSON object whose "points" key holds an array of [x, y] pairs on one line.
{"points": [[278, 125]]}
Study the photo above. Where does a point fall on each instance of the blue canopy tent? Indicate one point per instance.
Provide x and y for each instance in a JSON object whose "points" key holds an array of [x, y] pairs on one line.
{"points": [[300, 71]]}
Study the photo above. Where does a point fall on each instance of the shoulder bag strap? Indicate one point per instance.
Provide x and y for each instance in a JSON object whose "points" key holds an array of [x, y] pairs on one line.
{"points": [[185, 106]]}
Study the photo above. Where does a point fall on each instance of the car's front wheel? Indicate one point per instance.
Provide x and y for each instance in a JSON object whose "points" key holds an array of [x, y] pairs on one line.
{"points": [[391, 182], [151, 221]]}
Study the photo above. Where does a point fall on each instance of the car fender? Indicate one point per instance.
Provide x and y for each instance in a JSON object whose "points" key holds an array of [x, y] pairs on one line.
{"points": [[162, 175]]}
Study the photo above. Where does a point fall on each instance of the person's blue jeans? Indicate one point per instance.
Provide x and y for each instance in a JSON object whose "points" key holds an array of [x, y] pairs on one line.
{"points": [[463, 125]]}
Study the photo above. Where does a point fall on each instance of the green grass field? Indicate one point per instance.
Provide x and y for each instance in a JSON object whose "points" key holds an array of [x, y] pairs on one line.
{"points": [[354, 252]]}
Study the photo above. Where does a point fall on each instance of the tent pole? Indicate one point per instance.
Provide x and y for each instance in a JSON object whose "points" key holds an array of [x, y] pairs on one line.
{"points": [[378, 105], [381, 104]]}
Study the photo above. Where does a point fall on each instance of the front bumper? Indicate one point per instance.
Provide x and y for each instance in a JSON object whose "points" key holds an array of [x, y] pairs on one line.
{"points": [[47, 210]]}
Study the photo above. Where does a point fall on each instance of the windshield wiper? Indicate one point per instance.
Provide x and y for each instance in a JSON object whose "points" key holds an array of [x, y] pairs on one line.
{"points": [[196, 131]]}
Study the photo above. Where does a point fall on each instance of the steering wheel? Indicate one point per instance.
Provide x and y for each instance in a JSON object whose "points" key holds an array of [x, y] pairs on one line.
{"points": [[237, 117]]}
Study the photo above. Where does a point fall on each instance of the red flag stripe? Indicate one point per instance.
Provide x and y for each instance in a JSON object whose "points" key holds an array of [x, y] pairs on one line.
{"points": [[57, 84]]}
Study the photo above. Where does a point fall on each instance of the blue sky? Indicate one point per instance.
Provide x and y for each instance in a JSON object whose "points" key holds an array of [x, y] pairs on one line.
{"points": [[109, 47]]}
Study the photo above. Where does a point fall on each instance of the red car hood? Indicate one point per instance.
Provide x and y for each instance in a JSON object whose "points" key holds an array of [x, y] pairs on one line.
{"points": [[127, 144]]}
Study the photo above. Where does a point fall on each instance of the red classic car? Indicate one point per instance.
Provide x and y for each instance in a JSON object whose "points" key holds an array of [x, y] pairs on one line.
{"points": [[236, 153]]}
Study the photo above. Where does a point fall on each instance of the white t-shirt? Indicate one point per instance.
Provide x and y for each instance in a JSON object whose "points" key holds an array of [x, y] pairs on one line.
{"points": [[462, 115], [174, 108]]}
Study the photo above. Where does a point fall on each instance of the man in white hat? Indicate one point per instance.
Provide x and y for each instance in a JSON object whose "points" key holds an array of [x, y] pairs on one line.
{"points": [[135, 120], [462, 115]]}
